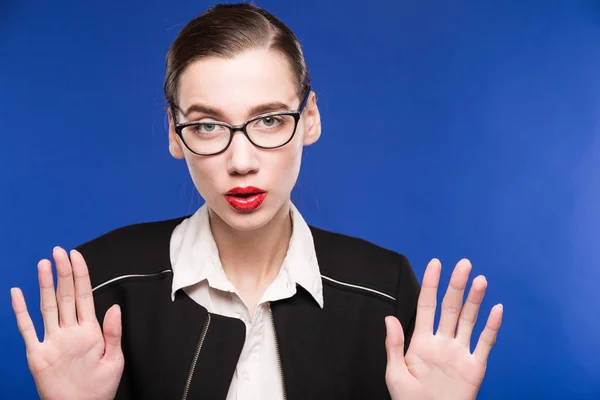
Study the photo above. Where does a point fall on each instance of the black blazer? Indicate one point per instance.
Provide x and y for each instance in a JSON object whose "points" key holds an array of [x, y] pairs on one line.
{"points": [[177, 350]]}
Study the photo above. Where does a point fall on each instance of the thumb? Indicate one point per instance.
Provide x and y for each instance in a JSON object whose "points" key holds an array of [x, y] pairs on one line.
{"points": [[394, 343], [112, 333]]}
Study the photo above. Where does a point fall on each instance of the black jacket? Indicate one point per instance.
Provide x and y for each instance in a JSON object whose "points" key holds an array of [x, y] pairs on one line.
{"points": [[176, 350]]}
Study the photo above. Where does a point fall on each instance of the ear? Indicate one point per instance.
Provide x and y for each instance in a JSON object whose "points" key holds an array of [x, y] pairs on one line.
{"points": [[312, 120], [174, 141]]}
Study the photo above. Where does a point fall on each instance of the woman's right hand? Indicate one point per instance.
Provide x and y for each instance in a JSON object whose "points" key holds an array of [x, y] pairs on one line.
{"points": [[76, 360]]}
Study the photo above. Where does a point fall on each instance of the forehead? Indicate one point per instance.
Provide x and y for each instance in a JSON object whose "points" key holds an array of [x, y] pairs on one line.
{"points": [[236, 84]]}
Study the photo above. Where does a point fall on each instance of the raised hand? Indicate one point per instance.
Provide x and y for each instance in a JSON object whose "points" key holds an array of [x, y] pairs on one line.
{"points": [[75, 360], [441, 365]]}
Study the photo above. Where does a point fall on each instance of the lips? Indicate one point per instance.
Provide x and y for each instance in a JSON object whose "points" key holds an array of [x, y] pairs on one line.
{"points": [[247, 198]]}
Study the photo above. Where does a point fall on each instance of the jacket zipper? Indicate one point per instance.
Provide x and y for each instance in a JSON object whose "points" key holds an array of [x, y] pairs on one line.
{"points": [[193, 367], [278, 355]]}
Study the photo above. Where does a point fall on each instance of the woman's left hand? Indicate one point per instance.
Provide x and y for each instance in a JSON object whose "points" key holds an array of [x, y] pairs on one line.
{"points": [[441, 365]]}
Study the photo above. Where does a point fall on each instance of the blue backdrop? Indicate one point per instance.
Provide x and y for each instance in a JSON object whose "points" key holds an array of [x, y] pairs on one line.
{"points": [[481, 125]]}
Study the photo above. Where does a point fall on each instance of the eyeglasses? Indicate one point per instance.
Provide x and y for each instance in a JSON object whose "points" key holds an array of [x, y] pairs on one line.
{"points": [[267, 131]]}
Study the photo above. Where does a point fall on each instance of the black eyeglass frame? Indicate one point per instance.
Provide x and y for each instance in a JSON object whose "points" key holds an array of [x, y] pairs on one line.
{"points": [[242, 128]]}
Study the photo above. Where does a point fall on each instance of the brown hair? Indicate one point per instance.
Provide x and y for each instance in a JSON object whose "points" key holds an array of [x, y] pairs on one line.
{"points": [[226, 30]]}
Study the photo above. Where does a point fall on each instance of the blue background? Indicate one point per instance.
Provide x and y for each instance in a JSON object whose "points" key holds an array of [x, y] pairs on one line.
{"points": [[466, 129]]}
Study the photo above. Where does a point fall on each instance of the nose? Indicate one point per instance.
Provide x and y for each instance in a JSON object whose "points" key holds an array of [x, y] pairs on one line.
{"points": [[241, 154]]}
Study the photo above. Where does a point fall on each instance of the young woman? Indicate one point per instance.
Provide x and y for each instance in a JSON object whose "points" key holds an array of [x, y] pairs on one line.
{"points": [[243, 299]]}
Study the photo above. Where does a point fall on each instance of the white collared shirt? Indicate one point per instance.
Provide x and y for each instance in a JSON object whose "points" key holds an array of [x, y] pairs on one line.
{"points": [[198, 271]]}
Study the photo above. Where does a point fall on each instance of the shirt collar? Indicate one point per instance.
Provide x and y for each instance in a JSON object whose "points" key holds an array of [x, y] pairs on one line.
{"points": [[195, 256]]}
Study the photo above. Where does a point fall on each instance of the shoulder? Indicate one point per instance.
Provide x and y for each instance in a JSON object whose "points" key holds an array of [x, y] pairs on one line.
{"points": [[360, 265], [142, 248]]}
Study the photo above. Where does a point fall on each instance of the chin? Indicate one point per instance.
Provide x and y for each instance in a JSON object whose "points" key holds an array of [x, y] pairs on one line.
{"points": [[245, 221]]}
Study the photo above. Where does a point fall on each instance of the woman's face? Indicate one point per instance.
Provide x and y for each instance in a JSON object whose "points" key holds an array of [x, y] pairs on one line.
{"points": [[232, 88]]}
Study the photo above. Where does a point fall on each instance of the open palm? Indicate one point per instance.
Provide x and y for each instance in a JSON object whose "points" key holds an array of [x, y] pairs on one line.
{"points": [[75, 360], [441, 365]]}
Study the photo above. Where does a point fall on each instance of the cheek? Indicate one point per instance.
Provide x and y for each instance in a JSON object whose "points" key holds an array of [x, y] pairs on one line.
{"points": [[278, 170], [205, 174], [285, 166]]}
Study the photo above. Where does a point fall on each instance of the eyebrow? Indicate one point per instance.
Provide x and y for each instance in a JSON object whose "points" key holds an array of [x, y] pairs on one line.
{"points": [[255, 110]]}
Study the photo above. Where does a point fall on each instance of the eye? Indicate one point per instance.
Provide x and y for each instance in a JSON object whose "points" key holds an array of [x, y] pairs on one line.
{"points": [[207, 127], [269, 122]]}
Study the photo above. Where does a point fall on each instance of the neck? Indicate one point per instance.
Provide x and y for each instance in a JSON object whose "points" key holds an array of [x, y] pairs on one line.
{"points": [[252, 259]]}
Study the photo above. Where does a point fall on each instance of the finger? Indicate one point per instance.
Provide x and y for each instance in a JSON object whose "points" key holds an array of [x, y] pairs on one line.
{"points": [[394, 347], [66, 289], [428, 298], [453, 299], [468, 315], [112, 333], [47, 297], [487, 339], [394, 341], [24, 321], [84, 298]]}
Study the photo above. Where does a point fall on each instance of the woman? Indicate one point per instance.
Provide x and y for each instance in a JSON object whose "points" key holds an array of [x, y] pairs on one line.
{"points": [[243, 299]]}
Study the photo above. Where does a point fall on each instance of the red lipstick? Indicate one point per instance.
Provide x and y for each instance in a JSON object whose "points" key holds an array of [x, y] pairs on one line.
{"points": [[247, 198]]}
